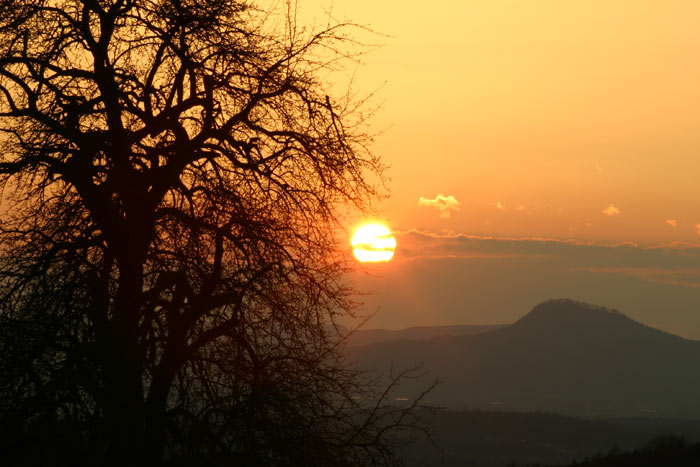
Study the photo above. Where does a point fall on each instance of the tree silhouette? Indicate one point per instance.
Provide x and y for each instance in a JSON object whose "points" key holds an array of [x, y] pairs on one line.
{"points": [[172, 173]]}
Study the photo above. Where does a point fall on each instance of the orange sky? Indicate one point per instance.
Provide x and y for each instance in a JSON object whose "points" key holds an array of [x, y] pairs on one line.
{"points": [[537, 115]]}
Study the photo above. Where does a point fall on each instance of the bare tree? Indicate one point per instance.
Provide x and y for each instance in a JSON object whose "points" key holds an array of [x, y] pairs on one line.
{"points": [[172, 173]]}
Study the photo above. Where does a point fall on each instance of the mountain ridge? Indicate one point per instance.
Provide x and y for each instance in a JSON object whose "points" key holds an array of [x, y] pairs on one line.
{"points": [[563, 356]]}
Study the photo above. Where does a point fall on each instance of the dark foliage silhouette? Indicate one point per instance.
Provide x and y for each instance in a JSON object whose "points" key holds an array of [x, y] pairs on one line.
{"points": [[665, 450], [498, 439], [169, 281]]}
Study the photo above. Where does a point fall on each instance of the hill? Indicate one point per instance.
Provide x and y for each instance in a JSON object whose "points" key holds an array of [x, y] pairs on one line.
{"points": [[564, 356]]}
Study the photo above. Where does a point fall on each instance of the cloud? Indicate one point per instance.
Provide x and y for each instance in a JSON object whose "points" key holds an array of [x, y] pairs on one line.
{"points": [[424, 245], [682, 277], [445, 204], [672, 222], [611, 210]]}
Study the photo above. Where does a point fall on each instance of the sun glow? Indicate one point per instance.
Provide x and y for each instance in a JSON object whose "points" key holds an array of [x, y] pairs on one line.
{"points": [[373, 243]]}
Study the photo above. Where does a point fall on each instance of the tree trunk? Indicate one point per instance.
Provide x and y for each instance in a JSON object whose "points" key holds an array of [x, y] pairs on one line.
{"points": [[124, 418], [123, 372]]}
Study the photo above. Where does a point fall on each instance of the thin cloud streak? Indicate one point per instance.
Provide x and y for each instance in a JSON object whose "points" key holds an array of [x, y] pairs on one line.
{"points": [[684, 277], [576, 254]]}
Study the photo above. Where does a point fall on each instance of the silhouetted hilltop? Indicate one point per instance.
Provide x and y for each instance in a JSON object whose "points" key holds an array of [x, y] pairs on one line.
{"points": [[563, 356], [570, 318], [568, 312]]}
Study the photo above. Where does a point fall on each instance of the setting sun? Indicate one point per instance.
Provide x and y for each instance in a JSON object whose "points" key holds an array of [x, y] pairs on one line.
{"points": [[373, 243]]}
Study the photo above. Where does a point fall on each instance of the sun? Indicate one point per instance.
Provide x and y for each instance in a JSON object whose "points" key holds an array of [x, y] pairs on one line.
{"points": [[373, 243]]}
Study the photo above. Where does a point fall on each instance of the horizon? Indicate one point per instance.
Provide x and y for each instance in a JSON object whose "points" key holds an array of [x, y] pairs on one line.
{"points": [[510, 323], [450, 279]]}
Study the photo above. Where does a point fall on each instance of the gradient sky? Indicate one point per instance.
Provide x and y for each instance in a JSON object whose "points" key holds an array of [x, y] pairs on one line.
{"points": [[536, 116], [538, 149]]}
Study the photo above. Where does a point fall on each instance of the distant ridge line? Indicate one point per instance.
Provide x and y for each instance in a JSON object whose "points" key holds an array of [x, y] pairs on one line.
{"points": [[579, 304], [564, 356]]}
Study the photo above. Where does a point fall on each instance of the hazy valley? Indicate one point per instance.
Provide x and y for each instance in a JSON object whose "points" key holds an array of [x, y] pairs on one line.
{"points": [[568, 380]]}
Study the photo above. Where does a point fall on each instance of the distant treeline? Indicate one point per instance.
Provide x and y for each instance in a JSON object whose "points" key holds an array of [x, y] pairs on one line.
{"points": [[498, 439], [668, 450]]}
